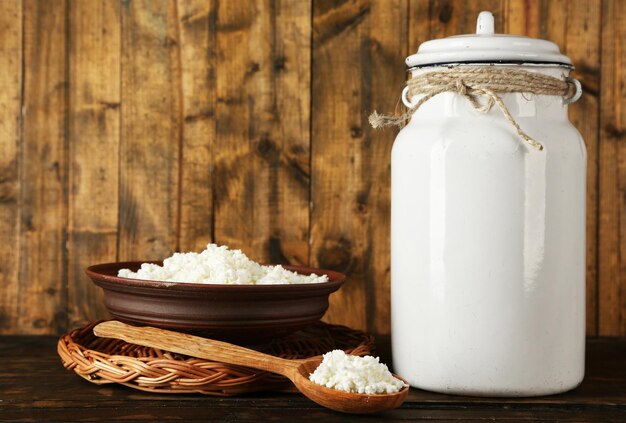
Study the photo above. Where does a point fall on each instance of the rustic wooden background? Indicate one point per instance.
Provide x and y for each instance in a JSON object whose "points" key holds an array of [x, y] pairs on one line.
{"points": [[131, 129]]}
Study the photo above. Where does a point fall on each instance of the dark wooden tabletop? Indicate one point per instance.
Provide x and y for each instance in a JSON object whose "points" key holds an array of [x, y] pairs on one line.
{"points": [[35, 386]]}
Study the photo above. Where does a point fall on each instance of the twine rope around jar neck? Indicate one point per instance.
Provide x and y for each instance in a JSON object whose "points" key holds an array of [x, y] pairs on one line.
{"points": [[486, 82]]}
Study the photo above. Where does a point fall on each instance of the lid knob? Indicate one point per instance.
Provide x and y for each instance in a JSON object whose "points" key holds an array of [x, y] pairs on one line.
{"points": [[485, 24]]}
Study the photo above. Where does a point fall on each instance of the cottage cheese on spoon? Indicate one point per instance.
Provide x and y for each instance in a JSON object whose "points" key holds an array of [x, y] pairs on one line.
{"points": [[357, 375], [218, 265]]}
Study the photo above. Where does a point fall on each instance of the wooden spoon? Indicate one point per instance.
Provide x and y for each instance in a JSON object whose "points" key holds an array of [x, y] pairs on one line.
{"points": [[296, 370]]}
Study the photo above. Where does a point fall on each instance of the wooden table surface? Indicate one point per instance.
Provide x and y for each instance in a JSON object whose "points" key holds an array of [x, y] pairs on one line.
{"points": [[35, 386]]}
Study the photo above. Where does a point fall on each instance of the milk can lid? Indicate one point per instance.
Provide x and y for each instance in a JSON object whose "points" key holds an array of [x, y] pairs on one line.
{"points": [[487, 47]]}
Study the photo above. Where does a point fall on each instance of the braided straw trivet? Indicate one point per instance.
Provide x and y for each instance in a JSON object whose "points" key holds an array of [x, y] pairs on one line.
{"points": [[102, 361]]}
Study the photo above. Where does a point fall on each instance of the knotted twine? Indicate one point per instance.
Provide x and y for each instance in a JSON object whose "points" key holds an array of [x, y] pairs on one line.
{"points": [[474, 83]]}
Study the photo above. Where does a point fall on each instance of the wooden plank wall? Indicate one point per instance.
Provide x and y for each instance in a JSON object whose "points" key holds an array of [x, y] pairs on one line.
{"points": [[133, 128]]}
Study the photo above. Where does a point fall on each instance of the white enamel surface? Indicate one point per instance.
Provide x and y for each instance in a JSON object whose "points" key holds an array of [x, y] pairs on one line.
{"points": [[485, 46], [488, 249], [485, 24]]}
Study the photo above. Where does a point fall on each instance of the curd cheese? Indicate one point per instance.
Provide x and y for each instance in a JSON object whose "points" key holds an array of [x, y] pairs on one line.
{"points": [[218, 265], [349, 373]]}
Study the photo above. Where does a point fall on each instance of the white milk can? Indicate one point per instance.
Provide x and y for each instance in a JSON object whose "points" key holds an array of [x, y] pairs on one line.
{"points": [[488, 219]]}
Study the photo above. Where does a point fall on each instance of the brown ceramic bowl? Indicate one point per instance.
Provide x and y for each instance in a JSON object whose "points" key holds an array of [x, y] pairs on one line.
{"points": [[238, 313]]}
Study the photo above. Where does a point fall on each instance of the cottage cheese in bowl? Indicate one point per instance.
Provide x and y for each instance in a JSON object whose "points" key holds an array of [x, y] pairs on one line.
{"points": [[218, 265]]}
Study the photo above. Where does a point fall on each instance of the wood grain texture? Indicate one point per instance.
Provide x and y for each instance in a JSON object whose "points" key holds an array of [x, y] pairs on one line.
{"points": [[60, 395], [150, 130], [132, 128], [454, 17], [582, 45], [612, 172], [419, 24], [575, 27], [337, 130], [523, 17], [290, 182], [234, 161], [11, 79], [42, 298], [261, 153], [196, 34], [94, 134], [386, 46], [360, 44], [196, 346]]}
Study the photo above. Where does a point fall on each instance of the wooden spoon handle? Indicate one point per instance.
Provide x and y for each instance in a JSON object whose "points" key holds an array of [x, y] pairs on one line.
{"points": [[195, 346]]}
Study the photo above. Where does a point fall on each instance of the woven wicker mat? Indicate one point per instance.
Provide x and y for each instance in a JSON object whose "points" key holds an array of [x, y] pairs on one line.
{"points": [[102, 361]]}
